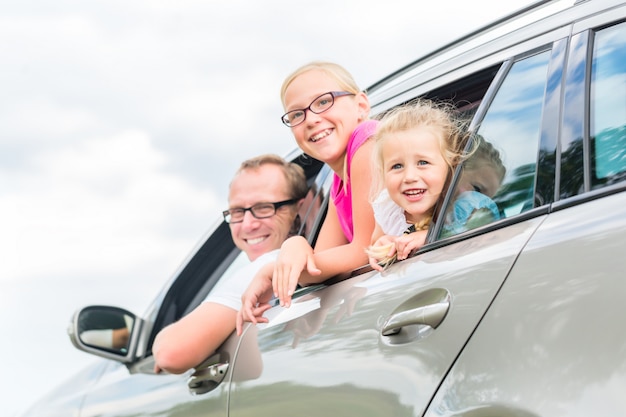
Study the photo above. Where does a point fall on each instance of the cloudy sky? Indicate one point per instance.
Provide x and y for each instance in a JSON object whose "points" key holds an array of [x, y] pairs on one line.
{"points": [[121, 123]]}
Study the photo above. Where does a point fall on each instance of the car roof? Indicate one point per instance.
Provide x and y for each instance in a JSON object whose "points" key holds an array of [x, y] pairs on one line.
{"points": [[526, 23]]}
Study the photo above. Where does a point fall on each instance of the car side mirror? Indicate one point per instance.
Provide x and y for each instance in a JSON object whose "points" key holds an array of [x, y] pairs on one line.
{"points": [[105, 331]]}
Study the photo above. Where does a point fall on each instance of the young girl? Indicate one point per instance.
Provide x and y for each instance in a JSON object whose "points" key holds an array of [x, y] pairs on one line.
{"points": [[417, 147], [328, 116]]}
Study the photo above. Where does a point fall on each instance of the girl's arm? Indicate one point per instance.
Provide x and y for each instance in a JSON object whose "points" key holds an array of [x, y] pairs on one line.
{"points": [[406, 244], [382, 249]]}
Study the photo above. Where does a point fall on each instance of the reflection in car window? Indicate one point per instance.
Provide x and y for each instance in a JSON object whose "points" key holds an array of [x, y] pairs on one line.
{"points": [[512, 126], [608, 106]]}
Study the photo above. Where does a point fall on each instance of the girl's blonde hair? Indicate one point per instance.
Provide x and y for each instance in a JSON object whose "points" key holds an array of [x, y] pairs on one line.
{"points": [[335, 71], [453, 138], [441, 117]]}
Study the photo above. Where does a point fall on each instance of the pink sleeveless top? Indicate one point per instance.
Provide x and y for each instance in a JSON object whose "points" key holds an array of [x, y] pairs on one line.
{"points": [[342, 195]]}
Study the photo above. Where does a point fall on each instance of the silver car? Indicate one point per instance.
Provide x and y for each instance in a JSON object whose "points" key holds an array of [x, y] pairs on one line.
{"points": [[518, 313]]}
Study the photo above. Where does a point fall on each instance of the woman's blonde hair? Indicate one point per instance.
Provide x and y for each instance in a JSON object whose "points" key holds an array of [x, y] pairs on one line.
{"points": [[338, 73], [335, 71]]}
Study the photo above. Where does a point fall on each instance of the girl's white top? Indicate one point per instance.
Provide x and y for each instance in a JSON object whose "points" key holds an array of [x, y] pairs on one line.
{"points": [[388, 215]]}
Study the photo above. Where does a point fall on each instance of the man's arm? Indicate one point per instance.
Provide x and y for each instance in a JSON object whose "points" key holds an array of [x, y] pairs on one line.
{"points": [[186, 343]]}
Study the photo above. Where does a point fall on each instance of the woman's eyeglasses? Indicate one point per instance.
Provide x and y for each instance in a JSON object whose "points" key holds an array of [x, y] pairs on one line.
{"points": [[319, 105]]}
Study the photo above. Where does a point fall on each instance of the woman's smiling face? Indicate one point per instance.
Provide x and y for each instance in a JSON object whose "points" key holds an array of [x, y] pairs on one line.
{"points": [[324, 136]]}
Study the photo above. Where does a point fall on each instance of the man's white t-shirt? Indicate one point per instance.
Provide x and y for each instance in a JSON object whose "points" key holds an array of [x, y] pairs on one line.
{"points": [[228, 292]]}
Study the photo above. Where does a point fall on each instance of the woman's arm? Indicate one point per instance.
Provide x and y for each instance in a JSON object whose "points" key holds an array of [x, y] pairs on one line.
{"points": [[331, 234], [255, 299], [297, 263], [343, 258], [377, 234]]}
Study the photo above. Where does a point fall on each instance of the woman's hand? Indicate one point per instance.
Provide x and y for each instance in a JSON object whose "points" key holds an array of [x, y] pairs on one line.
{"points": [[295, 255], [255, 300]]}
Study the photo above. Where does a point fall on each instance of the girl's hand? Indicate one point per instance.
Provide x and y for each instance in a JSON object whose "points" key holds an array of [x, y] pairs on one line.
{"points": [[381, 251], [255, 300], [295, 255], [406, 244]]}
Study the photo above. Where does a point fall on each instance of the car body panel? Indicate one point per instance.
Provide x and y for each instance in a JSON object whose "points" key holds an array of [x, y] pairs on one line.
{"points": [[151, 395], [66, 399], [542, 348], [148, 394], [326, 352]]}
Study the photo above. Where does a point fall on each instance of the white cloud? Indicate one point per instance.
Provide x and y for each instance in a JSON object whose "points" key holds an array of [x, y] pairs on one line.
{"points": [[101, 205]]}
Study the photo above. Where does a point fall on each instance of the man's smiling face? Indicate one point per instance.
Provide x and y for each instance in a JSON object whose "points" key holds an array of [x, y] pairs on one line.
{"points": [[265, 184]]}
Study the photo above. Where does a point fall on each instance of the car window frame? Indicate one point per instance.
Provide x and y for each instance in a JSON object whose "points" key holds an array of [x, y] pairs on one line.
{"points": [[555, 63], [579, 111]]}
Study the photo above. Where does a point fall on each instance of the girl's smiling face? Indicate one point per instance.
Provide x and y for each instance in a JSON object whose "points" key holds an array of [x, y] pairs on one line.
{"points": [[324, 136], [415, 171]]}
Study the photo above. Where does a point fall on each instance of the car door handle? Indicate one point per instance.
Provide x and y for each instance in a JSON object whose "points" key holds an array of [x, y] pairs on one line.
{"points": [[428, 308], [207, 379]]}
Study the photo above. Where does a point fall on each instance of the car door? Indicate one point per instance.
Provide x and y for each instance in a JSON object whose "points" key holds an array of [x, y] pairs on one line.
{"points": [[553, 342], [132, 388], [380, 344]]}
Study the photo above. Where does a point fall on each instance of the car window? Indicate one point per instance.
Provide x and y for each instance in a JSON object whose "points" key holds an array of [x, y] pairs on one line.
{"points": [[498, 181], [608, 106], [310, 217], [313, 210], [215, 257]]}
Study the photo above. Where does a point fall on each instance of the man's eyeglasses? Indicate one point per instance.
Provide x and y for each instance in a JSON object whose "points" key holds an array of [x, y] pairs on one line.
{"points": [[319, 105], [259, 211]]}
